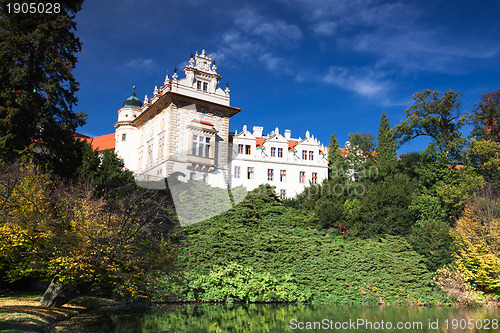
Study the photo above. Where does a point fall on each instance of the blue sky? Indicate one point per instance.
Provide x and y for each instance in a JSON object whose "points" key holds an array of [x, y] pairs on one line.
{"points": [[317, 65]]}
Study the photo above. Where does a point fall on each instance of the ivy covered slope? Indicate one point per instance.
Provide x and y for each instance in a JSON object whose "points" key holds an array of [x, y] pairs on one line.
{"points": [[263, 251]]}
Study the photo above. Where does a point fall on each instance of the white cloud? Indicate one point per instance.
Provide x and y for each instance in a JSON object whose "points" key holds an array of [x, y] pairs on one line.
{"points": [[270, 61], [362, 81], [142, 64], [236, 45], [399, 34], [326, 28], [257, 37], [274, 31]]}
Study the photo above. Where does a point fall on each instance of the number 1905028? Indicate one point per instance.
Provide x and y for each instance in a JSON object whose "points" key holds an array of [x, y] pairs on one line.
{"points": [[477, 324], [33, 8]]}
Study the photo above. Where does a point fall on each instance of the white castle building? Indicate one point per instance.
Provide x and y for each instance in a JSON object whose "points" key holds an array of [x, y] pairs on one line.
{"points": [[184, 128], [286, 163]]}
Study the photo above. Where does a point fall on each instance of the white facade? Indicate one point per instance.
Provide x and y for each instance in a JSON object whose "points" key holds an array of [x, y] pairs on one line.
{"points": [[184, 128], [288, 164]]}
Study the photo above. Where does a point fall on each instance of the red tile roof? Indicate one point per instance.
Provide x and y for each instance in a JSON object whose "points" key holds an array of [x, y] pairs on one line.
{"points": [[103, 142], [80, 136]]}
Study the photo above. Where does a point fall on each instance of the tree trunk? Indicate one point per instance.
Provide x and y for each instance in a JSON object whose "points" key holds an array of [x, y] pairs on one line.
{"points": [[55, 295]]}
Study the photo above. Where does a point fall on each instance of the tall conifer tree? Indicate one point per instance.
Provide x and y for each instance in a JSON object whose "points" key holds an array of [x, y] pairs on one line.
{"points": [[334, 157], [386, 146], [37, 87]]}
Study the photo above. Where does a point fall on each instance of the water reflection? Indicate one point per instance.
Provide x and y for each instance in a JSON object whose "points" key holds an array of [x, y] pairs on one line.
{"points": [[297, 317]]}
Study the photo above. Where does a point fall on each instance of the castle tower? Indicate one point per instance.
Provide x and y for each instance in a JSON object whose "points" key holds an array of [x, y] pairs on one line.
{"points": [[126, 132]]}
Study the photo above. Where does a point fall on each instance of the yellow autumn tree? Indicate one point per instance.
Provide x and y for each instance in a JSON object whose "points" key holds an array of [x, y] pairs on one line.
{"points": [[25, 218], [477, 236], [64, 234]]}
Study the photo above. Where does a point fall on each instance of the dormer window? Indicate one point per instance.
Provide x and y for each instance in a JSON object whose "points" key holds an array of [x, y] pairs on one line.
{"points": [[202, 85]]}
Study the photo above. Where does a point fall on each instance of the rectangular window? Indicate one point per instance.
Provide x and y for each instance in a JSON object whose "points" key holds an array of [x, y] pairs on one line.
{"points": [[270, 175], [311, 155], [124, 136], [205, 86], [250, 172], [150, 153], [280, 152], [240, 149], [273, 151], [315, 178], [304, 154], [207, 147], [195, 144], [302, 177], [283, 176], [161, 147], [201, 140], [247, 149], [237, 171], [283, 194], [200, 146], [192, 175], [139, 159], [198, 85]]}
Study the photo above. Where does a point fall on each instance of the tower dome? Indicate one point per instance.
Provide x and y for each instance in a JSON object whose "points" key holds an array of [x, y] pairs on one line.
{"points": [[132, 101]]}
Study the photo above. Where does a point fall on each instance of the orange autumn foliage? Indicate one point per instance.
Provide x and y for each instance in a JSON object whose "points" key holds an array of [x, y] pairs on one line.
{"points": [[477, 236]]}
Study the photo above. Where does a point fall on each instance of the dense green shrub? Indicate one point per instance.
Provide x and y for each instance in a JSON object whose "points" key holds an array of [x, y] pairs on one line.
{"points": [[222, 256], [384, 208], [432, 239], [234, 282]]}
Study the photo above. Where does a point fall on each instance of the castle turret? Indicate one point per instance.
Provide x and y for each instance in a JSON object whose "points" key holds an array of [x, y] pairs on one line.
{"points": [[126, 133], [130, 109]]}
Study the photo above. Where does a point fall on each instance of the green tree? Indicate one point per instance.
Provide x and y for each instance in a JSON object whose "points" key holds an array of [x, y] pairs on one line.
{"points": [[105, 172], [37, 87], [432, 239], [386, 146], [437, 116], [111, 174], [364, 141], [335, 160], [384, 208], [486, 117], [484, 157]]}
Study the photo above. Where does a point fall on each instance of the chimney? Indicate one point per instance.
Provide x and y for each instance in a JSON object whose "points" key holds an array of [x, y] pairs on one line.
{"points": [[288, 134], [257, 131]]}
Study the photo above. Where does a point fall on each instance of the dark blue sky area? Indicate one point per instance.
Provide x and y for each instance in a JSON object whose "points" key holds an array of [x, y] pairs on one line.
{"points": [[323, 66]]}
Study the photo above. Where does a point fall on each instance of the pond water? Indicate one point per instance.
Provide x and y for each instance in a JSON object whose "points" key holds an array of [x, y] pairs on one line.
{"points": [[297, 318]]}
